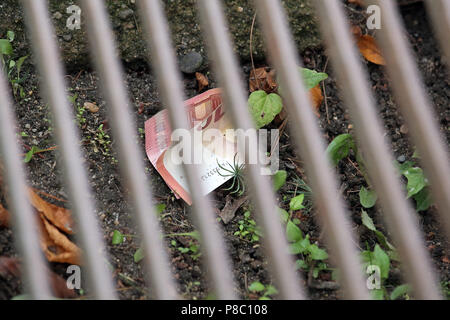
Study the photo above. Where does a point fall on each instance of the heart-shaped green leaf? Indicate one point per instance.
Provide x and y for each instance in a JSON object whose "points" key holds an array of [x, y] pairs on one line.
{"points": [[312, 78], [340, 147], [279, 179], [5, 47], [264, 107], [416, 180], [297, 202], [367, 197], [293, 232]]}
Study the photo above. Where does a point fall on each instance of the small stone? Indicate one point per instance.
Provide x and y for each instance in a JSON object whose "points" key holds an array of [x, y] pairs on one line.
{"points": [[67, 37], [239, 9], [125, 14], [404, 129], [350, 126], [191, 62], [401, 158], [27, 126], [57, 15], [91, 107]]}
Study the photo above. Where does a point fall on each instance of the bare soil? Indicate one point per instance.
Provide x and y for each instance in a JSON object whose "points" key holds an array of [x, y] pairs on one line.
{"points": [[249, 263]]}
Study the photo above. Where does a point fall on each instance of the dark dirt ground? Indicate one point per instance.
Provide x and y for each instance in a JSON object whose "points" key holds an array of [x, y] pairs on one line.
{"points": [[247, 257]]}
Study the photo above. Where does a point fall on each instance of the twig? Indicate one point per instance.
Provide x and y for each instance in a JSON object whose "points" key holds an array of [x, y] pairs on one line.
{"points": [[251, 51], [325, 92]]}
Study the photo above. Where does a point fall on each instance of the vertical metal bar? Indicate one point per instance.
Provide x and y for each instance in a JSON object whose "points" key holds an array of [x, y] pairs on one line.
{"points": [[259, 187], [307, 133], [158, 37], [48, 61], [439, 12], [24, 220], [130, 159], [415, 107], [399, 214]]}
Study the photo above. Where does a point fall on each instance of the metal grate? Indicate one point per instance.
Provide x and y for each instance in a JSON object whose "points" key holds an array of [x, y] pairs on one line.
{"points": [[332, 216]]}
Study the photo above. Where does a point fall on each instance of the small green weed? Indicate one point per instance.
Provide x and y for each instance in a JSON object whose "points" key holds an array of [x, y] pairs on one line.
{"points": [[248, 229], [266, 290], [12, 67], [417, 184]]}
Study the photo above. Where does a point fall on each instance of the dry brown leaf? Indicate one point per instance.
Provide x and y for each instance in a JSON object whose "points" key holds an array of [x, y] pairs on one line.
{"points": [[10, 266], [356, 31], [202, 81], [260, 79], [56, 246], [316, 99], [358, 2], [60, 217], [229, 210], [91, 107], [445, 259], [4, 217], [369, 49]]}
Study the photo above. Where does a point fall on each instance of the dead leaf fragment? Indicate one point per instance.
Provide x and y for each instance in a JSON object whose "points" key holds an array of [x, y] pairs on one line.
{"points": [[357, 2], [229, 210], [260, 79], [316, 99], [60, 217], [202, 81], [4, 217], [56, 246], [356, 31], [10, 266], [92, 107], [369, 49]]}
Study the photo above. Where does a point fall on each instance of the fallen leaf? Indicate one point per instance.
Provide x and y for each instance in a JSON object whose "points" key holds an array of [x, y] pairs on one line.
{"points": [[229, 210], [56, 246], [445, 259], [356, 31], [58, 216], [316, 99], [4, 217], [357, 2], [369, 49], [59, 287], [11, 267], [141, 108], [202, 81], [92, 107], [260, 79]]}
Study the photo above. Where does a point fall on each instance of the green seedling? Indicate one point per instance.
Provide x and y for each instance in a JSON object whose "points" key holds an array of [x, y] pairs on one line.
{"points": [[80, 111], [279, 179], [12, 67], [193, 248], [267, 291], [248, 229], [311, 255], [118, 237], [417, 184], [36, 150]]}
